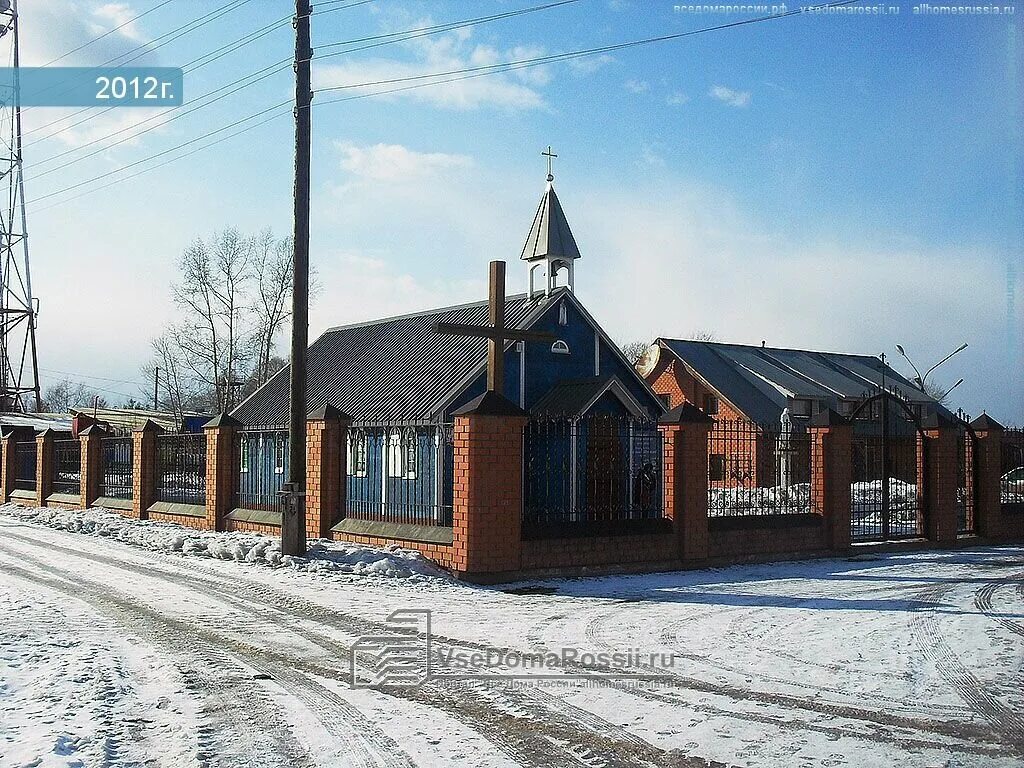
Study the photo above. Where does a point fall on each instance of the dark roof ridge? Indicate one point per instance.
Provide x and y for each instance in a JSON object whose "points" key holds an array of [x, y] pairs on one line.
{"points": [[426, 312], [769, 349]]}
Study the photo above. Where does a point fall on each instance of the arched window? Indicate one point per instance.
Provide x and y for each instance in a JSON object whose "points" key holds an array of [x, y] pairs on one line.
{"points": [[560, 348]]}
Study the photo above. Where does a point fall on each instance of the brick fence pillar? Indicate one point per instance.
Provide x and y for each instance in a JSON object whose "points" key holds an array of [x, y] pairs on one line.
{"points": [[91, 464], [988, 464], [685, 442], [831, 475], [488, 487], [44, 466], [8, 465], [940, 477], [221, 470], [144, 468], [326, 470]]}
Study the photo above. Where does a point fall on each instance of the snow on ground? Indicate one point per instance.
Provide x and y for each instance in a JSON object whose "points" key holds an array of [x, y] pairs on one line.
{"points": [[324, 556], [910, 659]]}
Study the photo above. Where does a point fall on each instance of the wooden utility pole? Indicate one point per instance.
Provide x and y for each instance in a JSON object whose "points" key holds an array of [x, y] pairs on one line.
{"points": [[293, 518]]}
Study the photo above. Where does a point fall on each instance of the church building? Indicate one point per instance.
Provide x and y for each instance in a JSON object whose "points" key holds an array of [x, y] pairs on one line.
{"points": [[402, 379]]}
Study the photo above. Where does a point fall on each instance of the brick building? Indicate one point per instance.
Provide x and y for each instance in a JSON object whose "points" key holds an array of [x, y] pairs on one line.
{"points": [[755, 385]]}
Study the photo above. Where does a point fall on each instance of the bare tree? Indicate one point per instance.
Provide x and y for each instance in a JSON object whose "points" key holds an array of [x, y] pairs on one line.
{"points": [[703, 336], [272, 271], [66, 394], [233, 300], [633, 349]]}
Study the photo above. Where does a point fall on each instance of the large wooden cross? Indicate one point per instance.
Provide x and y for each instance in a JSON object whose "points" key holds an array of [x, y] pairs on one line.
{"points": [[495, 331]]}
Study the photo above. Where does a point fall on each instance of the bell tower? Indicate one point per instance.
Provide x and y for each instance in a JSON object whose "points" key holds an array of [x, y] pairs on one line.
{"points": [[550, 245]]}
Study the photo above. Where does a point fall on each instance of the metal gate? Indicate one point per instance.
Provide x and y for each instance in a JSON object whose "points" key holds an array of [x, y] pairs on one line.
{"points": [[966, 488], [887, 494]]}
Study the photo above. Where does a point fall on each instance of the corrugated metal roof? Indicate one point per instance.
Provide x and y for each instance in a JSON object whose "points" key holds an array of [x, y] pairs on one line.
{"points": [[550, 235], [395, 369], [570, 398], [759, 380]]}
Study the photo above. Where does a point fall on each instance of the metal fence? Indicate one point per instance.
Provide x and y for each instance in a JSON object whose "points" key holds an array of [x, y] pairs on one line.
{"points": [[117, 462], [400, 473], [758, 469], [600, 474], [1011, 476], [965, 483], [181, 468], [67, 466], [25, 457], [262, 467], [887, 490]]}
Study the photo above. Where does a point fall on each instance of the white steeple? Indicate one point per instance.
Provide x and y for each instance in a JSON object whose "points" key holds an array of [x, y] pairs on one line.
{"points": [[550, 243]]}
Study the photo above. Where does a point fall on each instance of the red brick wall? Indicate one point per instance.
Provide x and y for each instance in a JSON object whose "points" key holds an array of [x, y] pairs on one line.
{"points": [[199, 523], [757, 537], [940, 470], [599, 551], [487, 493], [244, 526], [325, 475]]}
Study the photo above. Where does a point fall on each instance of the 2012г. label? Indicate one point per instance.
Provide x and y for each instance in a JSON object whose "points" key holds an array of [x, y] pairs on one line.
{"points": [[133, 88]]}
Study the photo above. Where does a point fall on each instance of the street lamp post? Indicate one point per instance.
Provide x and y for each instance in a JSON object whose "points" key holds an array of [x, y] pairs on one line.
{"points": [[921, 380]]}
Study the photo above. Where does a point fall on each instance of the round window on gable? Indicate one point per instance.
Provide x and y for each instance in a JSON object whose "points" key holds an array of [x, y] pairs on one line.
{"points": [[560, 348]]}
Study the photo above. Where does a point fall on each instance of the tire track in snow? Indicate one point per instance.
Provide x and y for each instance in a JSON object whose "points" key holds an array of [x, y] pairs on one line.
{"points": [[930, 641], [613, 746], [249, 716], [983, 601]]}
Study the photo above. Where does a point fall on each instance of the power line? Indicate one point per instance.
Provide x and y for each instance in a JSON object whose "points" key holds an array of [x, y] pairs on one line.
{"points": [[171, 36], [108, 32], [276, 67], [91, 376], [415, 81], [188, 68]]}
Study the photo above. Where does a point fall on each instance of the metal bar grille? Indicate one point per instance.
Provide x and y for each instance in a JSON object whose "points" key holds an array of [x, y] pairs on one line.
{"points": [[887, 490], [67, 466], [1011, 479], [601, 474], [400, 473], [262, 455], [758, 469], [181, 468], [25, 459], [965, 483], [117, 462]]}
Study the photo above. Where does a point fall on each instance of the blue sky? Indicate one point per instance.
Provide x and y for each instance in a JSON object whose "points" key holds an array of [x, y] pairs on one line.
{"points": [[841, 183]]}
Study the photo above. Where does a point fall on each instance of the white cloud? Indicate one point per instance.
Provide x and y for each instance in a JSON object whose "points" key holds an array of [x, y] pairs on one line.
{"points": [[588, 65], [637, 86], [393, 163], [517, 89], [729, 96], [676, 99], [112, 15]]}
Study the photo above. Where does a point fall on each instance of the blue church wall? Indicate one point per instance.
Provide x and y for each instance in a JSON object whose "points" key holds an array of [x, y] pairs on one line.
{"points": [[262, 468], [545, 369], [388, 480]]}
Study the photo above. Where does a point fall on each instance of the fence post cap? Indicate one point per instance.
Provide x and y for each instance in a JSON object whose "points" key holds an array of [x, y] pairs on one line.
{"points": [[985, 423], [937, 420], [827, 418], [687, 413], [490, 404], [222, 420], [328, 413], [93, 429], [149, 426], [48, 432]]}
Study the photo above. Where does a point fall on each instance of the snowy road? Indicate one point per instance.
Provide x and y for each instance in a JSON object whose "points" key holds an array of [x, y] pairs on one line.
{"points": [[118, 655]]}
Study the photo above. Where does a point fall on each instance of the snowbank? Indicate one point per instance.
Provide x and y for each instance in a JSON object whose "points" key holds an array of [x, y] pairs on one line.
{"points": [[795, 499], [323, 557]]}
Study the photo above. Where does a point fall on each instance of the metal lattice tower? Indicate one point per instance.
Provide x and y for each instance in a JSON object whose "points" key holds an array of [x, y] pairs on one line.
{"points": [[19, 377]]}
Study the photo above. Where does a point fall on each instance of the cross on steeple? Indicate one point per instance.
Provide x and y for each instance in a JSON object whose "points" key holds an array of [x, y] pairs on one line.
{"points": [[550, 156], [495, 332]]}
